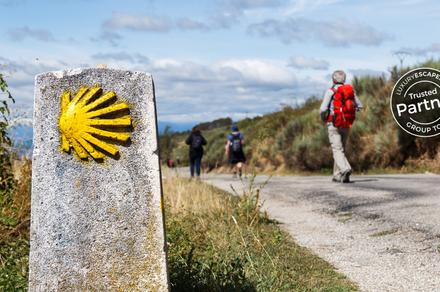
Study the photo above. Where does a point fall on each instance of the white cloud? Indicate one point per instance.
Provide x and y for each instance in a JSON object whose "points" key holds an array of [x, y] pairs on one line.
{"points": [[137, 22], [25, 32], [260, 73], [298, 6], [228, 12], [122, 57], [194, 92], [421, 51], [20, 76], [239, 6], [189, 91], [111, 37], [300, 62], [191, 24], [183, 71], [367, 72], [331, 33]]}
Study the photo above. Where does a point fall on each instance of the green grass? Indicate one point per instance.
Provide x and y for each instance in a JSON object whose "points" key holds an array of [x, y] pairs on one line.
{"points": [[219, 242]]}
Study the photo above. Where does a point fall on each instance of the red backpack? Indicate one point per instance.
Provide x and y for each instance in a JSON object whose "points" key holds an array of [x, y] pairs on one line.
{"points": [[344, 111]]}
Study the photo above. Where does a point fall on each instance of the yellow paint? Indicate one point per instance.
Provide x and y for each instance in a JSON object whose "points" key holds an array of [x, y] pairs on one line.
{"points": [[81, 118]]}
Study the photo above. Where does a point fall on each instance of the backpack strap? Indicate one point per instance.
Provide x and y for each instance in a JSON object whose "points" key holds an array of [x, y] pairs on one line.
{"points": [[330, 116], [331, 99]]}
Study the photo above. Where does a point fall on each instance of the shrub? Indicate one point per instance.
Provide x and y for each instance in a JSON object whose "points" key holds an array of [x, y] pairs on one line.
{"points": [[7, 182]]}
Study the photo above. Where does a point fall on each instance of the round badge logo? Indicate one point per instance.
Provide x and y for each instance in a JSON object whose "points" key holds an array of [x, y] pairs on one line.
{"points": [[415, 102]]}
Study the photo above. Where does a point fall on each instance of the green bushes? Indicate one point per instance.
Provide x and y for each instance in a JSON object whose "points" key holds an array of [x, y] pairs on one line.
{"points": [[214, 151], [7, 181]]}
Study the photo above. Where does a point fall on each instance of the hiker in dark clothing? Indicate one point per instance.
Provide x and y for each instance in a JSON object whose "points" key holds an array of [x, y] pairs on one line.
{"points": [[234, 150], [195, 142]]}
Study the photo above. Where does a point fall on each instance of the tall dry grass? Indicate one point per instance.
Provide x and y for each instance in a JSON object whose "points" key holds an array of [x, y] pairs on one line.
{"points": [[182, 196], [16, 214]]}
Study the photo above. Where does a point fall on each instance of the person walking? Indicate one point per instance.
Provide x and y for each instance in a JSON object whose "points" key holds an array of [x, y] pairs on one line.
{"points": [[196, 142], [234, 150], [338, 111]]}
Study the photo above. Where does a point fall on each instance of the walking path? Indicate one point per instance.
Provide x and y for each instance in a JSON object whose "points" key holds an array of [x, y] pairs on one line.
{"points": [[382, 231]]}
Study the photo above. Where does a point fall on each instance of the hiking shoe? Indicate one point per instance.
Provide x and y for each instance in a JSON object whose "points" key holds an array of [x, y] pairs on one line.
{"points": [[335, 179], [345, 177]]}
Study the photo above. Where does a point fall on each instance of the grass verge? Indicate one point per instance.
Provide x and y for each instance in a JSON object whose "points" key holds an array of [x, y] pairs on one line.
{"points": [[219, 242], [216, 242]]}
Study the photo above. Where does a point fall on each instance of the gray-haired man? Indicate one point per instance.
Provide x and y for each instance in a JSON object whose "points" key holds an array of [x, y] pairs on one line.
{"points": [[338, 110]]}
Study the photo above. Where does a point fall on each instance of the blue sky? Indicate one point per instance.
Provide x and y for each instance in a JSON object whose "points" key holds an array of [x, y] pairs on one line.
{"points": [[212, 59]]}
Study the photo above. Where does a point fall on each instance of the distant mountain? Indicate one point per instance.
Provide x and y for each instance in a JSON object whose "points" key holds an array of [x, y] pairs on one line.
{"points": [[219, 123], [21, 136], [174, 127], [182, 127]]}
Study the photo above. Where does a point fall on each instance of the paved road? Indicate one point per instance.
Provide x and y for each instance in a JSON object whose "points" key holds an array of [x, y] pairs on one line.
{"points": [[381, 231]]}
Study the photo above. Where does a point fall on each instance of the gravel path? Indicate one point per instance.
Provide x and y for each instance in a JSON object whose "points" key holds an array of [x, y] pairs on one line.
{"points": [[382, 231]]}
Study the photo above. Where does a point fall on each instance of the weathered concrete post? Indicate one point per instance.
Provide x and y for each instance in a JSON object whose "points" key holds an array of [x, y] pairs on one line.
{"points": [[96, 222]]}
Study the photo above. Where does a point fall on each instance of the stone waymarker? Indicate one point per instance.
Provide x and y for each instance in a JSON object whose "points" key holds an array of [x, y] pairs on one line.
{"points": [[96, 220]]}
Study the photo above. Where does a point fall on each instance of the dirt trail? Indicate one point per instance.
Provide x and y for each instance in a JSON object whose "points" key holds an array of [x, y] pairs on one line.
{"points": [[381, 231]]}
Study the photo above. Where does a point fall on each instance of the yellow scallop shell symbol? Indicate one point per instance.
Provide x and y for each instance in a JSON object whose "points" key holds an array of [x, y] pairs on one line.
{"points": [[92, 122]]}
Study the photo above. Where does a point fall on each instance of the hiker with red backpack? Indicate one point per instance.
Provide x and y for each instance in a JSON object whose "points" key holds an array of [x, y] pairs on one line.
{"points": [[196, 142], [234, 150], [338, 111]]}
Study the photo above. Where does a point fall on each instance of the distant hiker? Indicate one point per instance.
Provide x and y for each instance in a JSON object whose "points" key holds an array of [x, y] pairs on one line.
{"points": [[338, 110], [234, 150], [170, 163], [195, 142]]}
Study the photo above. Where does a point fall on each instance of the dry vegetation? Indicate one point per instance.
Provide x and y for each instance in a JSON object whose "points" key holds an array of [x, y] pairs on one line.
{"points": [[219, 242]]}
